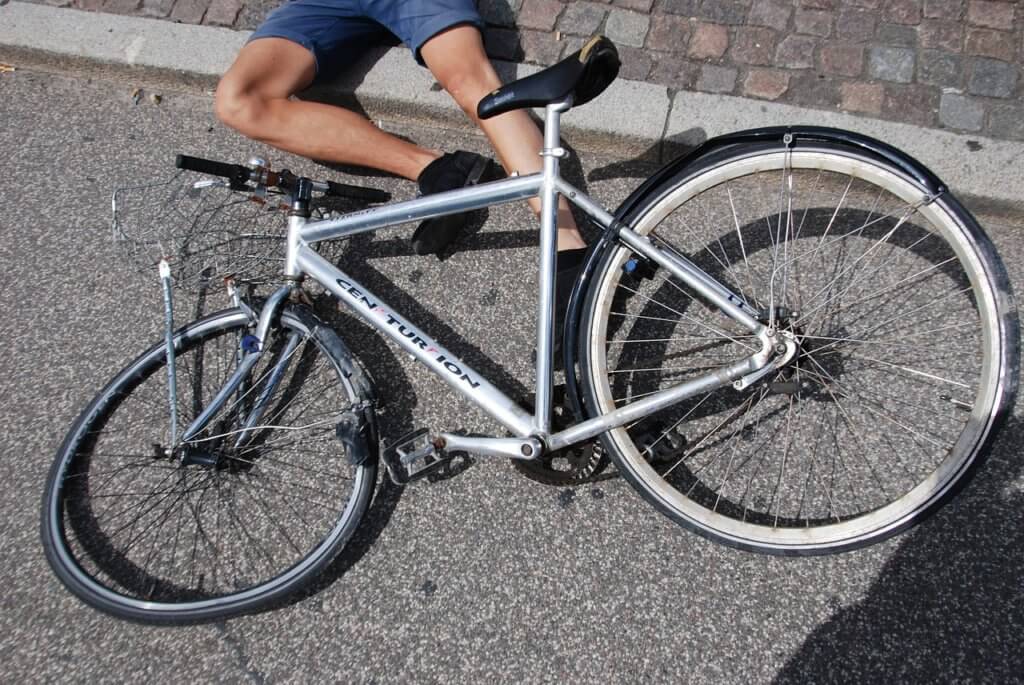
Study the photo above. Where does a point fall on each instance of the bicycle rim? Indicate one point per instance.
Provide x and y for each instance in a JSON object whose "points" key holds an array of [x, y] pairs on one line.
{"points": [[151, 532], [903, 362]]}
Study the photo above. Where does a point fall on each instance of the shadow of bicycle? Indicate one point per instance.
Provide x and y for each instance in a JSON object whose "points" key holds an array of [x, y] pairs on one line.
{"points": [[948, 606]]}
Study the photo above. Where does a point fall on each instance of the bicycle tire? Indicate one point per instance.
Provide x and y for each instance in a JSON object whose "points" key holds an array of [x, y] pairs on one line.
{"points": [[133, 531], [895, 395]]}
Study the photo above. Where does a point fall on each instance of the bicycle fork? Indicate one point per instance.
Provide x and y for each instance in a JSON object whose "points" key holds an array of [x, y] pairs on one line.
{"points": [[251, 349]]}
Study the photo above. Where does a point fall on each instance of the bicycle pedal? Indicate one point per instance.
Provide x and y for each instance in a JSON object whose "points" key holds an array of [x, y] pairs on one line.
{"points": [[412, 457]]}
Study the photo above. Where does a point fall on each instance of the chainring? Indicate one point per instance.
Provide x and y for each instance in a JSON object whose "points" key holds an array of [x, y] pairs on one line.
{"points": [[576, 465]]}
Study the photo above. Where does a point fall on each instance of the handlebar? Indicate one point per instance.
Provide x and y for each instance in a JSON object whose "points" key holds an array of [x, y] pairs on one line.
{"points": [[239, 176]]}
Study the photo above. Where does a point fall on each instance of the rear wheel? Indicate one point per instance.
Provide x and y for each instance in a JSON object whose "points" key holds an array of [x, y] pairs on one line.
{"points": [[153, 531], [907, 355]]}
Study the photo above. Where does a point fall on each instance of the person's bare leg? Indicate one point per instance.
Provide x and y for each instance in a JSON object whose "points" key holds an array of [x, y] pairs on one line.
{"points": [[458, 61], [254, 97]]}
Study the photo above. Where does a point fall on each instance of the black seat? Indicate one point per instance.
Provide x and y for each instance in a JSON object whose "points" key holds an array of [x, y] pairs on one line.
{"points": [[584, 75]]}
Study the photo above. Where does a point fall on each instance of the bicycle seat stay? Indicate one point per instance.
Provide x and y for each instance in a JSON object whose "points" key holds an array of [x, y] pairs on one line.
{"points": [[583, 75]]}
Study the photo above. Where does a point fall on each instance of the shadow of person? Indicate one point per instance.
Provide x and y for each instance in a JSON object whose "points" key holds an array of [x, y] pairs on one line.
{"points": [[948, 605]]}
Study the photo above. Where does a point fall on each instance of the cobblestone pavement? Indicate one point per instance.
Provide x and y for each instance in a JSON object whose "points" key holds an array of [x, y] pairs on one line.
{"points": [[952, 64]]}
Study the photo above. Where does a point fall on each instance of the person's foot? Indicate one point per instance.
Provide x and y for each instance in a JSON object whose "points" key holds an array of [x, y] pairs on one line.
{"points": [[448, 172]]}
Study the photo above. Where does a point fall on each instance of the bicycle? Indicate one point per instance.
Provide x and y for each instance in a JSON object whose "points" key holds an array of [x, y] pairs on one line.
{"points": [[791, 340]]}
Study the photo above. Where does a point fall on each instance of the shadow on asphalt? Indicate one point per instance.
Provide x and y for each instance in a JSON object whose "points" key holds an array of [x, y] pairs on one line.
{"points": [[948, 604]]}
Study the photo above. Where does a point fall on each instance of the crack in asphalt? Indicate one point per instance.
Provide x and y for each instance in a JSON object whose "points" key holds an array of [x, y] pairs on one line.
{"points": [[242, 658]]}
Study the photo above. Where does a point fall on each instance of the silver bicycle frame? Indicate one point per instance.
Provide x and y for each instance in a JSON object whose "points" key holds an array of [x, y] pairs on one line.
{"points": [[301, 260]]}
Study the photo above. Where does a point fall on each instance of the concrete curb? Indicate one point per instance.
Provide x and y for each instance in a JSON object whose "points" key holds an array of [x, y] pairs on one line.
{"points": [[634, 118]]}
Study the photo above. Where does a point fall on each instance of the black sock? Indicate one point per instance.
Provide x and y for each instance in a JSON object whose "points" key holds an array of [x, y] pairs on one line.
{"points": [[570, 259]]}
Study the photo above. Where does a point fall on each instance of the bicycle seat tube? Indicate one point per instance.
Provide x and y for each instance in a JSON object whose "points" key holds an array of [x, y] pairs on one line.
{"points": [[552, 153]]}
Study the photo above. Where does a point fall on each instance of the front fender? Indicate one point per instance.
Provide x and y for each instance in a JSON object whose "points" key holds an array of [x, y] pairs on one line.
{"points": [[666, 177]]}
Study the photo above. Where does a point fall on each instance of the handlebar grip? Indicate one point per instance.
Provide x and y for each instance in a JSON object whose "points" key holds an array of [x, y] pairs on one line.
{"points": [[357, 192], [235, 172]]}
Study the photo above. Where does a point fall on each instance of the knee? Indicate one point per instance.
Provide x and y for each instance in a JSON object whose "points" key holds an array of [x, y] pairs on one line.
{"points": [[239, 107], [468, 86]]}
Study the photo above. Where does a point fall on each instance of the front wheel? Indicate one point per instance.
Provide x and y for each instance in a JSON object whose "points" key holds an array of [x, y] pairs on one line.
{"points": [[907, 355], [242, 515]]}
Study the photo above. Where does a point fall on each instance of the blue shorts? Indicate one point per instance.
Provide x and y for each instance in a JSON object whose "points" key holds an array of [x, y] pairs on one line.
{"points": [[337, 32]]}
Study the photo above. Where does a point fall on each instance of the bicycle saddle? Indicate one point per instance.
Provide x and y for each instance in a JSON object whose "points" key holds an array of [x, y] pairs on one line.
{"points": [[584, 75]]}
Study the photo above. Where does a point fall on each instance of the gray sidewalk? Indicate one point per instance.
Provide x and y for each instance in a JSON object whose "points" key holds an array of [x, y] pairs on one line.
{"points": [[633, 118]]}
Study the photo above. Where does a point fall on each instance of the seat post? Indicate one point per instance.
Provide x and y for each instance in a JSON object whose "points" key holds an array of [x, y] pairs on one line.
{"points": [[552, 153]]}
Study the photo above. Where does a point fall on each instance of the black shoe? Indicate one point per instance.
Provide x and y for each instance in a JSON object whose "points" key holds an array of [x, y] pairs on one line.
{"points": [[450, 171], [567, 271]]}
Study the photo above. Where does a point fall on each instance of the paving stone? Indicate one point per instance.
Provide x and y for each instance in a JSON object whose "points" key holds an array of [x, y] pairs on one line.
{"points": [[687, 8], [814, 22], [994, 15], [708, 41], [820, 4], [753, 45], [912, 103], [891, 64], [897, 34], [715, 79], [90, 5], [771, 13], [538, 14], [502, 43], [939, 68], [902, 11], [222, 12], [581, 18], [57, 3], [156, 8], [941, 34], [674, 72], [961, 112], [844, 60], [571, 44], [668, 32], [636, 63], [992, 78], [501, 12], [796, 52], [121, 6], [813, 90], [723, 11], [944, 9], [254, 12], [989, 43], [540, 47], [189, 11], [638, 5], [767, 84], [1007, 121], [862, 97], [856, 25], [627, 28]]}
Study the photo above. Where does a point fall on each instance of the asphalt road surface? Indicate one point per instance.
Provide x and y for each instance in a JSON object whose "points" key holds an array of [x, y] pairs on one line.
{"points": [[486, 576]]}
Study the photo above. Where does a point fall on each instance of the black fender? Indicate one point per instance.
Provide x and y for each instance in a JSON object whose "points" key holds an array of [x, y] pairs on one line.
{"points": [[662, 180], [366, 428]]}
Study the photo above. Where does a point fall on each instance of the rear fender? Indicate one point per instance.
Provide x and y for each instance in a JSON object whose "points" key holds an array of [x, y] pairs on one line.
{"points": [[669, 175]]}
